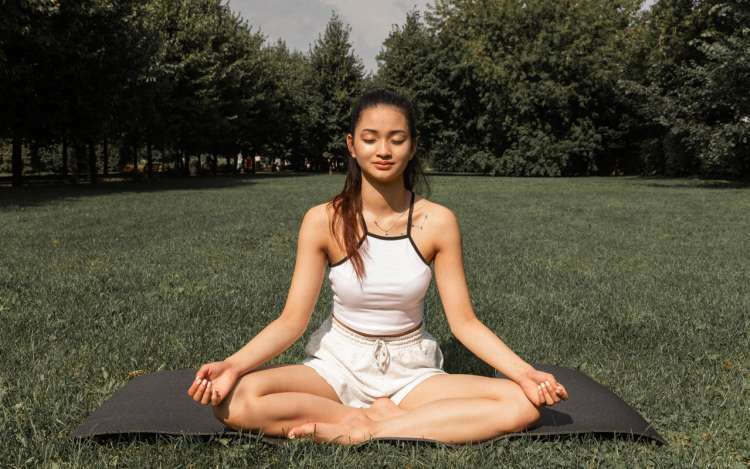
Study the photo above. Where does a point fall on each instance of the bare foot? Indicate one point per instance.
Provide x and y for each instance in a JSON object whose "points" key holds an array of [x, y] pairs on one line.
{"points": [[383, 408], [356, 427]]}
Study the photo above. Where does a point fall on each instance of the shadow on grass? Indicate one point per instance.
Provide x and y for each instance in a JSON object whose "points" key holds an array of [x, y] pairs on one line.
{"points": [[39, 194], [694, 183], [154, 438], [240, 438], [459, 359]]}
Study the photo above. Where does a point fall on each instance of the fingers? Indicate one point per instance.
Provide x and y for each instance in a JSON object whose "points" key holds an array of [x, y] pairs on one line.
{"points": [[199, 390], [544, 394], [204, 371], [194, 387], [215, 398], [556, 389], [207, 394], [547, 393], [198, 387]]}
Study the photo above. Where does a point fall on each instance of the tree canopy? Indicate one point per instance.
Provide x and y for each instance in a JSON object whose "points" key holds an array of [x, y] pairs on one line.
{"points": [[504, 87]]}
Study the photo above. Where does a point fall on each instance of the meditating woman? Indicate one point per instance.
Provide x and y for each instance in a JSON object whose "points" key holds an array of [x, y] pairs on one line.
{"points": [[372, 370]]}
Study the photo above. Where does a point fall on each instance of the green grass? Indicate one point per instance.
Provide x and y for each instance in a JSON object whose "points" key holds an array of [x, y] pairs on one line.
{"points": [[640, 283]]}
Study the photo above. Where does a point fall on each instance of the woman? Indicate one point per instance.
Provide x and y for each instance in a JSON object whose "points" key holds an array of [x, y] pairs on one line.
{"points": [[372, 369]]}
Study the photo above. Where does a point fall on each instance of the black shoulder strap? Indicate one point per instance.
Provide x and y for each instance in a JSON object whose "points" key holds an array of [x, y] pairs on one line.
{"points": [[364, 223], [411, 210]]}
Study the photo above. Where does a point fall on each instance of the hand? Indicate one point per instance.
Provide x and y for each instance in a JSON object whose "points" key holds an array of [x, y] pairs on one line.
{"points": [[542, 388], [213, 382]]}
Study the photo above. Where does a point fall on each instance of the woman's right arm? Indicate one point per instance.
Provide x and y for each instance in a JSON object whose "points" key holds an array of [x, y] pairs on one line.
{"points": [[215, 380], [309, 271]]}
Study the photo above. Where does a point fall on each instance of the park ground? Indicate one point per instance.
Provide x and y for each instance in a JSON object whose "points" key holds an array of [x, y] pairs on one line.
{"points": [[641, 283]]}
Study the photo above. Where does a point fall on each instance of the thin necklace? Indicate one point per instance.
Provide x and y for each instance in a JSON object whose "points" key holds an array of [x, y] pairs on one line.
{"points": [[389, 228], [387, 231]]}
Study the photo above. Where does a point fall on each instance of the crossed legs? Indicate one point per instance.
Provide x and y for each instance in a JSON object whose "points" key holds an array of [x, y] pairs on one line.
{"points": [[452, 408]]}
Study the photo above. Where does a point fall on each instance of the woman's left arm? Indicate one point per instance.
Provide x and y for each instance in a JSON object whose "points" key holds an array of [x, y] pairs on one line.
{"points": [[463, 323]]}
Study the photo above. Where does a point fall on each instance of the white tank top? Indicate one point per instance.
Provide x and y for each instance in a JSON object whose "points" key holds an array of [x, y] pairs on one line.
{"points": [[390, 299]]}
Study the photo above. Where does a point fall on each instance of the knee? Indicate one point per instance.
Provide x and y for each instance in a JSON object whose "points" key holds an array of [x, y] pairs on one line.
{"points": [[522, 412], [527, 414], [235, 411]]}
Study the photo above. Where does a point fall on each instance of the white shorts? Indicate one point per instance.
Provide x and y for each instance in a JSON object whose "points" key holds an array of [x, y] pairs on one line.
{"points": [[361, 369]]}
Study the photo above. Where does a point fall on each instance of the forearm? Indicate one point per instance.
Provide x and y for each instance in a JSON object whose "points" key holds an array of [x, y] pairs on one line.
{"points": [[273, 340], [485, 344]]}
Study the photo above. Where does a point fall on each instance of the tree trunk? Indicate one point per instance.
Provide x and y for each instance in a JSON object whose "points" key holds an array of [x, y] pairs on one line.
{"points": [[149, 160], [17, 161], [186, 163], [34, 158], [214, 164], [105, 157], [92, 164], [64, 158], [78, 157], [134, 149]]}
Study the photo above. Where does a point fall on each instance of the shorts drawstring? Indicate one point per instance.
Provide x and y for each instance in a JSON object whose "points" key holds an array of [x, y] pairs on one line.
{"points": [[380, 347], [382, 355]]}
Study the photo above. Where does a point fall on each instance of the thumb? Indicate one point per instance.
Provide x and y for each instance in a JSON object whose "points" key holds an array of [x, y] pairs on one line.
{"points": [[204, 371]]}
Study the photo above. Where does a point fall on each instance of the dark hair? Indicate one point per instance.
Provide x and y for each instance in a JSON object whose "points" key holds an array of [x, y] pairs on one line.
{"points": [[347, 205]]}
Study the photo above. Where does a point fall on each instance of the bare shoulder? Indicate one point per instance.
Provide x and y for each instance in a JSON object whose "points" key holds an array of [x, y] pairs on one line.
{"points": [[315, 223], [438, 222], [441, 217]]}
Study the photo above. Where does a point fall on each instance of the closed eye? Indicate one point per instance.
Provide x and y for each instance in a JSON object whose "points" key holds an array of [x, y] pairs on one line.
{"points": [[397, 142]]}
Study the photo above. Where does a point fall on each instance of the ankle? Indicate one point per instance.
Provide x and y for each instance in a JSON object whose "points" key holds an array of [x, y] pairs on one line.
{"points": [[371, 425]]}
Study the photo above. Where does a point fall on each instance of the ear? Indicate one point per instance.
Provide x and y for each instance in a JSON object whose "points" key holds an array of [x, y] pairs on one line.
{"points": [[350, 145]]}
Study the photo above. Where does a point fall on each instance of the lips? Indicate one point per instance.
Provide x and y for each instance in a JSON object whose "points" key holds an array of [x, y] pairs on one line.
{"points": [[383, 165]]}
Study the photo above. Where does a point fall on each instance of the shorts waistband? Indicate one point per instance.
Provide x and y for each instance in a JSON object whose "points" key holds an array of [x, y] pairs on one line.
{"points": [[406, 339]]}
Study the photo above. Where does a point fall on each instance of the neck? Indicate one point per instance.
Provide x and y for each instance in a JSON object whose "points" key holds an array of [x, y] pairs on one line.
{"points": [[382, 200]]}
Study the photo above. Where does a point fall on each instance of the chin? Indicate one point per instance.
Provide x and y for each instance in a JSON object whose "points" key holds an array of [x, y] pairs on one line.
{"points": [[387, 177]]}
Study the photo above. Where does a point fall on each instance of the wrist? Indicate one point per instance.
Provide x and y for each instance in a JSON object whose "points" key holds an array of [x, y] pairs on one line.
{"points": [[521, 372], [234, 366]]}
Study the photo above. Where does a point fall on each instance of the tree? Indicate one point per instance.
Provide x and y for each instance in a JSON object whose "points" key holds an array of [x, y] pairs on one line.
{"points": [[335, 79], [25, 44], [409, 62], [533, 81], [291, 133]]}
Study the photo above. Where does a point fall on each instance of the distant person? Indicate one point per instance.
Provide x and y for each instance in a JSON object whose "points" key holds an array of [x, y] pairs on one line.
{"points": [[372, 369]]}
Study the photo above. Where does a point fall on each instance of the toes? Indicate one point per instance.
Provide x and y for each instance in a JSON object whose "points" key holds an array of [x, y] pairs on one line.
{"points": [[302, 431]]}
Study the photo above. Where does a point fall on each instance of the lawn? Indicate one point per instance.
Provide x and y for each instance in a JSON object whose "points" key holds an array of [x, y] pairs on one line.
{"points": [[641, 283]]}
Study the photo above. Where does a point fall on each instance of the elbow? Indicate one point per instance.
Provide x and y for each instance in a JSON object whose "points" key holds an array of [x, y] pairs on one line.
{"points": [[295, 326], [459, 327]]}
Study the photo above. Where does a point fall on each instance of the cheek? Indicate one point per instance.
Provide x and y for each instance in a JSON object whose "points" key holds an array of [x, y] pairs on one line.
{"points": [[361, 148]]}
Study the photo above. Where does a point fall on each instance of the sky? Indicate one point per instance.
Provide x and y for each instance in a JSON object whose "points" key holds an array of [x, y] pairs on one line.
{"points": [[299, 22]]}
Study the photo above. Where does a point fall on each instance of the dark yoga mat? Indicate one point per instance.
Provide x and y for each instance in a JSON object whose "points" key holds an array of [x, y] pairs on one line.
{"points": [[158, 403]]}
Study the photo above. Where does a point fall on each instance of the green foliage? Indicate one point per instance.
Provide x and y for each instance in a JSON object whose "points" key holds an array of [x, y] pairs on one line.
{"points": [[334, 81], [525, 88], [694, 87], [410, 63], [504, 87], [187, 76]]}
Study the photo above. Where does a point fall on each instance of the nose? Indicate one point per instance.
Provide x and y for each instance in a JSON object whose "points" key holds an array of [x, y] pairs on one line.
{"points": [[384, 149]]}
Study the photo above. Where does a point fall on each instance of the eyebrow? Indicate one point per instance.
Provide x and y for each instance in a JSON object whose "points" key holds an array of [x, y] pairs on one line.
{"points": [[391, 132]]}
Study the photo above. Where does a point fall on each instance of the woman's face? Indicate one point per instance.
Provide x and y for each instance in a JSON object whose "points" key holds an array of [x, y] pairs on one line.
{"points": [[382, 145]]}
